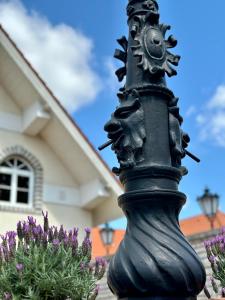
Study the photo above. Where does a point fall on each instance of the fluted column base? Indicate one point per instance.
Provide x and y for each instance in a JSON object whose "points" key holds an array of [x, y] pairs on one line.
{"points": [[155, 261], [158, 298]]}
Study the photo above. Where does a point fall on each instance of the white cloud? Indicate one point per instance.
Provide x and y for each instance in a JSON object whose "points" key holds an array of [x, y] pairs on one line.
{"points": [[212, 118], [61, 54], [218, 100], [111, 80], [190, 111]]}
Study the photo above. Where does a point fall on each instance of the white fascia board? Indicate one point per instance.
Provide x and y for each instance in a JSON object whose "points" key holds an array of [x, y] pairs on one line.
{"points": [[61, 115], [34, 119], [93, 192]]}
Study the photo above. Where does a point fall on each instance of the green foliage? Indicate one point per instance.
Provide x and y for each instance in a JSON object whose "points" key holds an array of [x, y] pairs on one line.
{"points": [[47, 263]]}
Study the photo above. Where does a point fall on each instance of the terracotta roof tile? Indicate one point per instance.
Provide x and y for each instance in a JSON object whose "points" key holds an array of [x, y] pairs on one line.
{"points": [[200, 224], [98, 247], [191, 226]]}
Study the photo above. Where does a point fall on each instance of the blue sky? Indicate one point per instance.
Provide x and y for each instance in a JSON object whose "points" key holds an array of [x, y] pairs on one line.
{"points": [[90, 30]]}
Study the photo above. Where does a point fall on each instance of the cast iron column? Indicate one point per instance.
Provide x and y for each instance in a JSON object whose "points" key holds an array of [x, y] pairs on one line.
{"points": [[154, 261]]}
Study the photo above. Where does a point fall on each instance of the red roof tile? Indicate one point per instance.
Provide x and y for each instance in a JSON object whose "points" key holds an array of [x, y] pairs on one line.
{"points": [[200, 224], [190, 226]]}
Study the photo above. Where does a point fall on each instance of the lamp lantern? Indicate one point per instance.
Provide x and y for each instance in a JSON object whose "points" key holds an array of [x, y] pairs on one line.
{"points": [[107, 235], [209, 204]]}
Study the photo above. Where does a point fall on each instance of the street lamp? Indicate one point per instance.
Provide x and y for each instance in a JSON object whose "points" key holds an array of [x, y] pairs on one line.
{"points": [[107, 234], [209, 204], [154, 260]]}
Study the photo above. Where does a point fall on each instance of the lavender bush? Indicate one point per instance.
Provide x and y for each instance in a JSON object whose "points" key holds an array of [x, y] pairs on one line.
{"points": [[215, 249], [47, 263]]}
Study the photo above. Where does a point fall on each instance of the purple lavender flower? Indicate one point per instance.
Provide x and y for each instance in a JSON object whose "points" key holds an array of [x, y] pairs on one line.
{"points": [[44, 239], [61, 235], [214, 285], [82, 266], [12, 248], [55, 244], [26, 228], [222, 247], [212, 259], [7, 296], [100, 267], [40, 230], [75, 232], [97, 289], [1, 256], [70, 234], [50, 235], [95, 293], [86, 246], [11, 235], [20, 231], [35, 232], [207, 244], [6, 252], [26, 232], [19, 267], [66, 242], [46, 225], [4, 240], [31, 221], [74, 246], [55, 233], [88, 232], [91, 267]]}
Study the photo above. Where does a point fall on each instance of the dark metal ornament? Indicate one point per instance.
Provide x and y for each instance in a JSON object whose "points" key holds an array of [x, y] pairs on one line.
{"points": [[154, 261], [126, 130], [152, 49]]}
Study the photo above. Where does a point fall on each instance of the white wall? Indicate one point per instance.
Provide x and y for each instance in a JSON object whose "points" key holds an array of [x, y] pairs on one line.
{"points": [[7, 104], [69, 216], [54, 170]]}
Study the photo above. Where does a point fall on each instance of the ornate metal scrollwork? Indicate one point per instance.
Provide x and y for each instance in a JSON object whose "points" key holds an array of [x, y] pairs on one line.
{"points": [[178, 138], [151, 46], [148, 6], [122, 56], [126, 130]]}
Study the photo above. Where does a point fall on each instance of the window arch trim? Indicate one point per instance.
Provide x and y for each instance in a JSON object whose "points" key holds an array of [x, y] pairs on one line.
{"points": [[22, 153]]}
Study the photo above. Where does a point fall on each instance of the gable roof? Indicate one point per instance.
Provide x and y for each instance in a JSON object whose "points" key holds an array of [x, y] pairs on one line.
{"points": [[58, 103], [76, 136], [190, 226]]}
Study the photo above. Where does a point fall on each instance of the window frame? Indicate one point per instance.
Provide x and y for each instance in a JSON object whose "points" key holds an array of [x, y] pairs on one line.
{"points": [[15, 172]]}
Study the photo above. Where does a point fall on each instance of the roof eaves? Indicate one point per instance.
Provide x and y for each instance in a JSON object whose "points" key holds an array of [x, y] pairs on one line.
{"points": [[58, 103]]}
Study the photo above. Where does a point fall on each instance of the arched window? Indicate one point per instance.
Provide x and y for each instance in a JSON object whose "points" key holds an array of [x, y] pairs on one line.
{"points": [[16, 183]]}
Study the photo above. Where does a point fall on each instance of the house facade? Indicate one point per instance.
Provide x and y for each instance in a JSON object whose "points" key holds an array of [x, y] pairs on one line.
{"points": [[46, 163]]}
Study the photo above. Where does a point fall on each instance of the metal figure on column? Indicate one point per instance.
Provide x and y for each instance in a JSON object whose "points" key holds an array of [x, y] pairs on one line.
{"points": [[154, 261]]}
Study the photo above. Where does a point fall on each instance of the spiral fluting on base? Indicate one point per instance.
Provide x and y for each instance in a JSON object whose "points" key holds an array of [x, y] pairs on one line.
{"points": [[155, 259]]}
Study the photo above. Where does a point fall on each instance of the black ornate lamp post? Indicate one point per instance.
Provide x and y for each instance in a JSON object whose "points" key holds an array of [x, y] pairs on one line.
{"points": [[107, 234], [154, 261], [209, 204]]}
